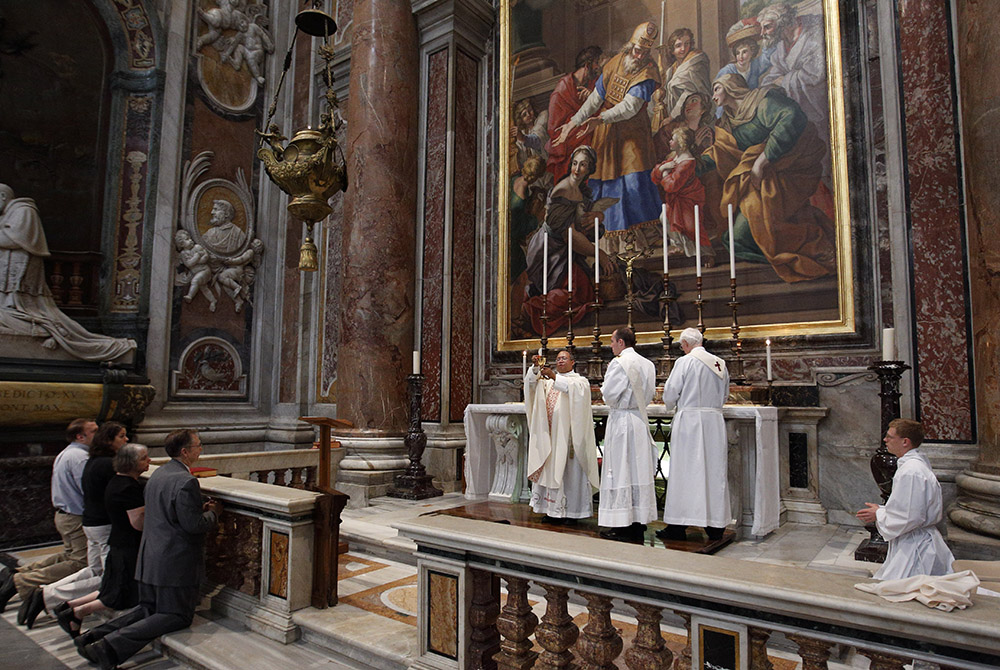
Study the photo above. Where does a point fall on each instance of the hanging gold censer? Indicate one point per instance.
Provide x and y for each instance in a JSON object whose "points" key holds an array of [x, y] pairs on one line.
{"points": [[310, 167]]}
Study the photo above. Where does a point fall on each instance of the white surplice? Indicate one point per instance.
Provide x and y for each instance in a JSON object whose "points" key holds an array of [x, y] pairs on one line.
{"points": [[562, 452], [908, 520], [697, 482], [627, 493]]}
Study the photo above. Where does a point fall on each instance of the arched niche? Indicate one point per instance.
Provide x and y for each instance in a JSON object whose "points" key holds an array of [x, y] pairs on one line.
{"points": [[80, 108]]}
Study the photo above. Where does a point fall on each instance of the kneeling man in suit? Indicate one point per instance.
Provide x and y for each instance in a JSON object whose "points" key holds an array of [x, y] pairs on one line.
{"points": [[171, 559]]}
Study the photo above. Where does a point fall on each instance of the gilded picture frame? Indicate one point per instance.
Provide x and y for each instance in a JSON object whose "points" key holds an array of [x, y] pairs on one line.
{"points": [[790, 287]]}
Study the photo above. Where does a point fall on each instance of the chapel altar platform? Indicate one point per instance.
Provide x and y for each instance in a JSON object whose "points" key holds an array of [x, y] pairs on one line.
{"points": [[520, 514]]}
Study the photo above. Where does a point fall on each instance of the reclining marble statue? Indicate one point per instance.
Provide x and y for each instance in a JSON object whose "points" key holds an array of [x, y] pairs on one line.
{"points": [[27, 308]]}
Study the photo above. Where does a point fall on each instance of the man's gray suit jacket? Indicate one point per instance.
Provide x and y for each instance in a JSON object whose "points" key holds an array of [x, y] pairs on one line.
{"points": [[173, 537]]}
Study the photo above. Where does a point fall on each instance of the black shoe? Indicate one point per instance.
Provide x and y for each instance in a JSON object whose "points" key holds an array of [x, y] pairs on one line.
{"points": [[7, 591], [672, 533], [103, 655], [553, 520], [22, 611], [714, 534], [67, 617], [625, 534], [36, 605], [83, 642]]}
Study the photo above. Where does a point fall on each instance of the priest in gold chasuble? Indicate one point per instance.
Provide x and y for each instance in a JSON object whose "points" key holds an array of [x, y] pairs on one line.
{"points": [[562, 452]]}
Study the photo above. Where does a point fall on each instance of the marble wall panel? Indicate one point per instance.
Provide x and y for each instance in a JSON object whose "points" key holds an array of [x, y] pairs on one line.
{"points": [[442, 613], [435, 174], [290, 282], [330, 310], [847, 438], [463, 248], [343, 14], [942, 366]]}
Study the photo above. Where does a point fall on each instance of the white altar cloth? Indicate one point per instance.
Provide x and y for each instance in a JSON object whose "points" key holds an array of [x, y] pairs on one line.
{"points": [[760, 470]]}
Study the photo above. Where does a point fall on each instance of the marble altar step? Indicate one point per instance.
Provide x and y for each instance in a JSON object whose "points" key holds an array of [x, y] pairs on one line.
{"points": [[223, 644]]}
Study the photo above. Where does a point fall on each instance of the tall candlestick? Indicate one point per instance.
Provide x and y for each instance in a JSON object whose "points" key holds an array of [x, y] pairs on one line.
{"points": [[524, 362], [569, 262], [888, 344], [769, 375], [697, 240], [663, 220], [732, 246], [545, 262], [416, 362], [597, 250]]}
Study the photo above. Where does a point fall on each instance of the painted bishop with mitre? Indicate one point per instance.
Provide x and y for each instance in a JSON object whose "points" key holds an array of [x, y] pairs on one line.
{"points": [[562, 452]]}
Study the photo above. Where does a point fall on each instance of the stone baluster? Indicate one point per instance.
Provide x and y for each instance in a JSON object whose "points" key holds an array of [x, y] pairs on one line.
{"points": [[882, 661], [279, 476], [56, 283], [556, 633], [296, 482], [261, 476], [310, 478], [815, 653], [516, 623], [600, 642], [758, 650], [683, 662], [75, 287], [484, 640], [648, 651]]}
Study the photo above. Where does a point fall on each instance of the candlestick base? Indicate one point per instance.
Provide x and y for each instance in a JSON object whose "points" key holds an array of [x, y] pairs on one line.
{"points": [[414, 483], [594, 370]]}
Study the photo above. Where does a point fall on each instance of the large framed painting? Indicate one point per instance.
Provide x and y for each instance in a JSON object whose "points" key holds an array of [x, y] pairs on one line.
{"points": [[693, 137]]}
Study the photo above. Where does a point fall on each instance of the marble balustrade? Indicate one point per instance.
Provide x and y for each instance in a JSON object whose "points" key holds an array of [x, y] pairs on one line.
{"points": [[463, 563], [259, 560], [296, 468]]}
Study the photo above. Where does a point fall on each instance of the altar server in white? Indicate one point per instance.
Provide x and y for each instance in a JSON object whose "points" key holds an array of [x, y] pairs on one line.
{"points": [[908, 518], [628, 499], [697, 483], [562, 452]]}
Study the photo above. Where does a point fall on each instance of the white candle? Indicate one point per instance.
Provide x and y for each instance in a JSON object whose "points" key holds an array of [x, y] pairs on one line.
{"points": [[697, 240], [524, 362], [769, 375], [888, 344], [416, 362], [539, 352], [663, 220], [545, 262], [597, 250], [569, 261], [732, 246]]}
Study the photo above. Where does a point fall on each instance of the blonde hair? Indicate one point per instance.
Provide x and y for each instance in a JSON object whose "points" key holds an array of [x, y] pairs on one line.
{"points": [[685, 138]]}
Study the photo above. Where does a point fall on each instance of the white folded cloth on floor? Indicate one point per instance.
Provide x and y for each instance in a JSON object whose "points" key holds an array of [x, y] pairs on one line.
{"points": [[945, 592]]}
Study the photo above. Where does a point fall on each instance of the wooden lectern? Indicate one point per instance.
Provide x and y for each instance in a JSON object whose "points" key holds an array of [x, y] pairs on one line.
{"points": [[329, 506]]}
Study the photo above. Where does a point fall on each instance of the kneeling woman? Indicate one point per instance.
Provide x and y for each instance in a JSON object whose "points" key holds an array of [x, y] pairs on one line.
{"points": [[126, 508]]}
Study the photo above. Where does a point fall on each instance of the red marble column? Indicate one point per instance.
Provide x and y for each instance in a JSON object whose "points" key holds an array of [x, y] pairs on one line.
{"points": [[377, 310], [978, 507]]}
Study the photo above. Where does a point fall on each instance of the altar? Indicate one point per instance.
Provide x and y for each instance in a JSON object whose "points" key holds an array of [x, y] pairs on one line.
{"points": [[497, 440]]}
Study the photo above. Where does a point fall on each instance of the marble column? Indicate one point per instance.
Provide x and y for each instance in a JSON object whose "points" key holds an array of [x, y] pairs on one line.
{"points": [[978, 506], [377, 312]]}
